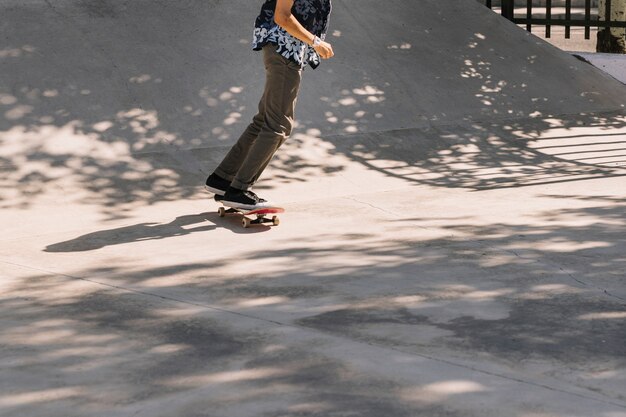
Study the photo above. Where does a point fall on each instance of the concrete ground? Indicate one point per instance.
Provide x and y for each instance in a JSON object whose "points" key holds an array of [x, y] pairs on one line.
{"points": [[453, 243], [613, 64]]}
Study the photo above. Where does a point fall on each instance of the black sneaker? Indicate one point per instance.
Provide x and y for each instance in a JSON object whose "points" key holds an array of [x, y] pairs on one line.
{"points": [[216, 185], [243, 199]]}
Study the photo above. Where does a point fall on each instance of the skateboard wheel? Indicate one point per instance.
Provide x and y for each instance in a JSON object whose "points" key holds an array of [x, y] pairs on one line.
{"points": [[245, 222], [275, 221], [221, 211]]}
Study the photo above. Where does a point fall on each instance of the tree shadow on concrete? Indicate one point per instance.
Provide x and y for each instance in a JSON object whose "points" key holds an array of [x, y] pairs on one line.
{"points": [[512, 135], [504, 302], [116, 106], [495, 155], [108, 351], [94, 107]]}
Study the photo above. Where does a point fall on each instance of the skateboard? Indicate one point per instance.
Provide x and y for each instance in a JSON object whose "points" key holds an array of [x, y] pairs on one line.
{"points": [[261, 214]]}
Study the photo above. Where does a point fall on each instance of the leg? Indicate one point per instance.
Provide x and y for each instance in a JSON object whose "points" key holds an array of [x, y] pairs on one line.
{"points": [[278, 105], [231, 164]]}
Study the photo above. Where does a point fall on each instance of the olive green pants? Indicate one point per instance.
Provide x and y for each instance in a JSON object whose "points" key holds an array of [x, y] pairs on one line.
{"points": [[271, 126]]}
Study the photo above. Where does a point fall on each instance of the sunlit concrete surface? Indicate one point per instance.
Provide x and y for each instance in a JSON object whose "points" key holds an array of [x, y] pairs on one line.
{"points": [[613, 64], [453, 243]]}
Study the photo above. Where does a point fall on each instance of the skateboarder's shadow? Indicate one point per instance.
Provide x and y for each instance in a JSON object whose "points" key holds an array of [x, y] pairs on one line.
{"points": [[135, 233]]}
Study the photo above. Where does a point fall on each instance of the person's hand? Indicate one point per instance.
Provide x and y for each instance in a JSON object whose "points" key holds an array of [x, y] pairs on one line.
{"points": [[325, 50]]}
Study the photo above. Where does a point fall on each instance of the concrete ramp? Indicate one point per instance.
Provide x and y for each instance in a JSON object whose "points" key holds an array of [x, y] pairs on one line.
{"points": [[447, 61], [174, 84], [453, 243], [398, 65]]}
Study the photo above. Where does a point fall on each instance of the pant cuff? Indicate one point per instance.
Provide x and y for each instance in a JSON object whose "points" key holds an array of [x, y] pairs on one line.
{"points": [[223, 175], [239, 185]]}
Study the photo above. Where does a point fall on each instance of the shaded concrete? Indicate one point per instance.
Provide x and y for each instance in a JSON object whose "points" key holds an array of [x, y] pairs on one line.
{"points": [[453, 243]]}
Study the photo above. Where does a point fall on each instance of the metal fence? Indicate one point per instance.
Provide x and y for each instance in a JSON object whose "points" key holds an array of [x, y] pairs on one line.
{"points": [[587, 16]]}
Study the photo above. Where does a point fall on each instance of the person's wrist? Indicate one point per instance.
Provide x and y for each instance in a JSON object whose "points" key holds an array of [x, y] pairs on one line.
{"points": [[316, 41]]}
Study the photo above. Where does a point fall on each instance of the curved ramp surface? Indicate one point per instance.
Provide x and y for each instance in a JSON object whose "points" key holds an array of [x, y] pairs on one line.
{"points": [[398, 65]]}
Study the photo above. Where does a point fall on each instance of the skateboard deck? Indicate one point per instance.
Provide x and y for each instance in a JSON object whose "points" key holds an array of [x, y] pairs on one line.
{"points": [[260, 214]]}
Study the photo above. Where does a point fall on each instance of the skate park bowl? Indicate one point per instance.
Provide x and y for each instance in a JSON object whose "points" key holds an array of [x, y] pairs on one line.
{"points": [[452, 245]]}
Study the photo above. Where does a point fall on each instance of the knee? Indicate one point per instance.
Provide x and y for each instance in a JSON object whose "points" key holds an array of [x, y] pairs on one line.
{"points": [[279, 125]]}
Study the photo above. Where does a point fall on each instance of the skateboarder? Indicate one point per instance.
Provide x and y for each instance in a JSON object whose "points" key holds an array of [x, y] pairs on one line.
{"points": [[291, 35]]}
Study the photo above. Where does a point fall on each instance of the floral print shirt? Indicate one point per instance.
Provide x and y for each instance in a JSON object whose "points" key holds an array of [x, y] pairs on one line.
{"points": [[312, 14]]}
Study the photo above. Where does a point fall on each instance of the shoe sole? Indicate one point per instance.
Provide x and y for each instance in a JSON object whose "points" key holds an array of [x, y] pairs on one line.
{"points": [[215, 191], [242, 206], [236, 205]]}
